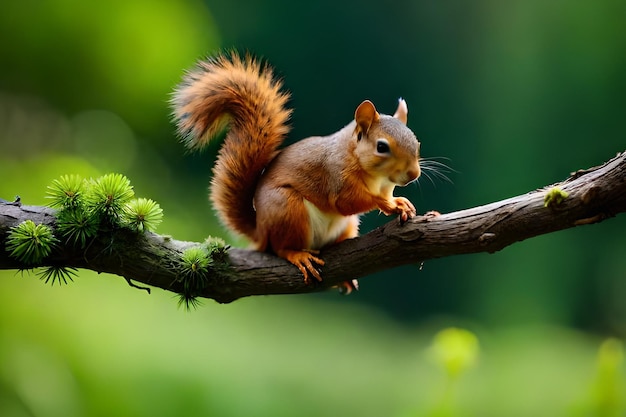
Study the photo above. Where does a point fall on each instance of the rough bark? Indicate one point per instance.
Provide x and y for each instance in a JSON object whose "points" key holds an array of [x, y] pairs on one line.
{"points": [[593, 195]]}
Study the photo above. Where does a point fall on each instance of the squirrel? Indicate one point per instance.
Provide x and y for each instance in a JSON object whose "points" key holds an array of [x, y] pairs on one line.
{"points": [[292, 201]]}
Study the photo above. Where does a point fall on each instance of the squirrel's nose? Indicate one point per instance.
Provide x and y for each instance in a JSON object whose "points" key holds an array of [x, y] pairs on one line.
{"points": [[413, 174], [406, 177]]}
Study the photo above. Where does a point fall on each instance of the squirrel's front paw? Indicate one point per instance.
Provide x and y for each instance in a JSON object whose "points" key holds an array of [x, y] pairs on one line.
{"points": [[404, 208]]}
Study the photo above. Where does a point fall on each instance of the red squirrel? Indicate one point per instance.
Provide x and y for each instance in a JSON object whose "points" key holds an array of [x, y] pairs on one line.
{"points": [[296, 200]]}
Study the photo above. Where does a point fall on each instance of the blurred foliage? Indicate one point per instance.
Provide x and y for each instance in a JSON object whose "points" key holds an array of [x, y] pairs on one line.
{"points": [[511, 95], [97, 347], [609, 388], [455, 351], [119, 55]]}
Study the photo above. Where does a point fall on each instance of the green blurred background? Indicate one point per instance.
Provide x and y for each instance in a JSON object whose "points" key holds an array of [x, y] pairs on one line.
{"points": [[515, 94]]}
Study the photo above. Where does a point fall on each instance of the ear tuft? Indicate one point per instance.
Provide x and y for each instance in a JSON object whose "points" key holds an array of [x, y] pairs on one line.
{"points": [[365, 115], [402, 111]]}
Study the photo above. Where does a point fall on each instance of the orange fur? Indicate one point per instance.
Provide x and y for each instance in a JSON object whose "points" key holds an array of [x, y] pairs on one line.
{"points": [[295, 201], [243, 94]]}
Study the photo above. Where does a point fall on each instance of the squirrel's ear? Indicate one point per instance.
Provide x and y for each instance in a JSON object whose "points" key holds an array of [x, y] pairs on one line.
{"points": [[402, 111], [365, 115]]}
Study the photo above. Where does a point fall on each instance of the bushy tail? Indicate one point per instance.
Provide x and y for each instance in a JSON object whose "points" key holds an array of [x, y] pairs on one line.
{"points": [[242, 94]]}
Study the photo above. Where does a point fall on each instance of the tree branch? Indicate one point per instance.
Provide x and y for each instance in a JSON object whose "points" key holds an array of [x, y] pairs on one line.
{"points": [[593, 196]]}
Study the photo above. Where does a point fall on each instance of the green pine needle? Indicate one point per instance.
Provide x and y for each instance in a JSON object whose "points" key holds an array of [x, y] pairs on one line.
{"points": [[109, 195], [188, 301], [193, 268], [60, 274], [66, 192], [77, 225], [194, 265], [143, 214], [216, 247], [30, 243]]}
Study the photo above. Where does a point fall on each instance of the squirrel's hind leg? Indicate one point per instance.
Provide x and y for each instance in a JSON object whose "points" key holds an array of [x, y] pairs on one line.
{"points": [[286, 232]]}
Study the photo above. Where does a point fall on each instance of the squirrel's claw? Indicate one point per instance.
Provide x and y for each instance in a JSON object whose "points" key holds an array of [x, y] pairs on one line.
{"points": [[398, 205], [405, 209], [304, 261]]}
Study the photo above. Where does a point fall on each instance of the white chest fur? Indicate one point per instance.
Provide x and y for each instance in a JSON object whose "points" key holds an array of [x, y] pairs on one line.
{"points": [[325, 227]]}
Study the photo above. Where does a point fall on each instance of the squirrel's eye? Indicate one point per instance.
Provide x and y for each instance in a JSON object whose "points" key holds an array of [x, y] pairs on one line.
{"points": [[382, 146]]}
